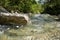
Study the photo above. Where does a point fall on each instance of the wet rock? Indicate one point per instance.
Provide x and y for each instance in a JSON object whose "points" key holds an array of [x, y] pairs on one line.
{"points": [[3, 10], [12, 20], [8, 18]]}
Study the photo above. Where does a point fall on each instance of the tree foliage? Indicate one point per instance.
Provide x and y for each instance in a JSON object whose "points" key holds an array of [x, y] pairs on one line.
{"points": [[52, 7], [25, 6], [37, 8]]}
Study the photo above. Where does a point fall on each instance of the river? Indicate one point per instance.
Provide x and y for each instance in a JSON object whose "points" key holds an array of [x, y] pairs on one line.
{"points": [[41, 23]]}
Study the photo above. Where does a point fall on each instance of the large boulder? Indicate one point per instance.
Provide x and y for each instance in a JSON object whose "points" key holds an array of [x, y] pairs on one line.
{"points": [[8, 18]]}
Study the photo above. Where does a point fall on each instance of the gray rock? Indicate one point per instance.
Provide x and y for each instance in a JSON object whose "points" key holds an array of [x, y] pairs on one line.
{"points": [[3, 10]]}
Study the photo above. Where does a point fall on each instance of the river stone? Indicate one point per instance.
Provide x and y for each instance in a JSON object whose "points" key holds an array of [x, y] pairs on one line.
{"points": [[3, 10], [8, 18]]}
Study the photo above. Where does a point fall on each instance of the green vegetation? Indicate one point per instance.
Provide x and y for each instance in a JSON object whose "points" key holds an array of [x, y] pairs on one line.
{"points": [[32, 6], [52, 7], [25, 6]]}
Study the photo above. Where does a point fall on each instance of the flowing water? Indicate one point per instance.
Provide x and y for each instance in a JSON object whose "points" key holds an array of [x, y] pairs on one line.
{"points": [[37, 30]]}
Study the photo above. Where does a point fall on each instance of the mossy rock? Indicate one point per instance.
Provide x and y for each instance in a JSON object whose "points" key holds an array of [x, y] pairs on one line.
{"points": [[13, 20]]}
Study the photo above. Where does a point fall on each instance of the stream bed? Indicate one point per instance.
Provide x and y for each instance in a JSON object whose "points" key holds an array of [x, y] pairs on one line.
{"points": [[43, 27]]}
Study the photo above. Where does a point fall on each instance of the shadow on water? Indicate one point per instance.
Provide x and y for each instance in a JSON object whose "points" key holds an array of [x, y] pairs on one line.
{"points": [[58, 20]]}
